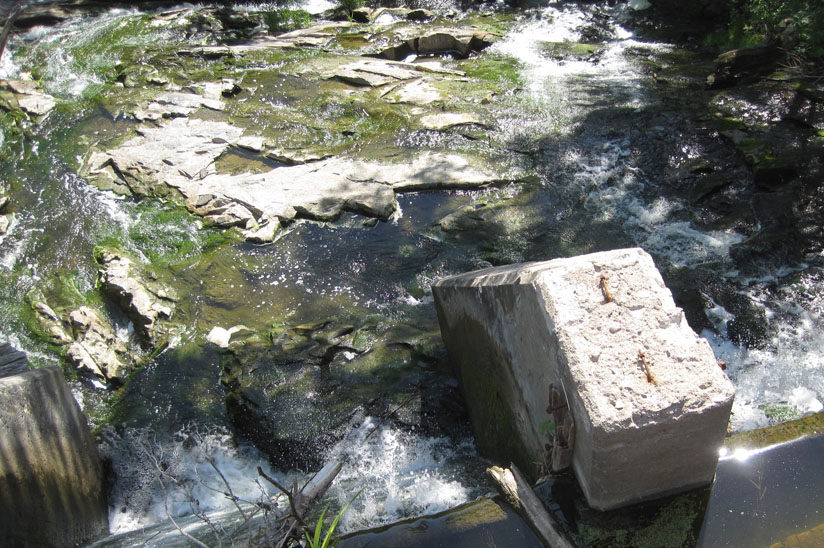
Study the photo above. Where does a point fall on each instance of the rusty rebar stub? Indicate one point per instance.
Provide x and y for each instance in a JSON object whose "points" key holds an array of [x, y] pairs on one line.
{"points": [[605, 289], [643, 358]]}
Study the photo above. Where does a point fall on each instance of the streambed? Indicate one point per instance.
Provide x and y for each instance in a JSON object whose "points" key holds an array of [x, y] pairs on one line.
{"points": [[581, 134]]}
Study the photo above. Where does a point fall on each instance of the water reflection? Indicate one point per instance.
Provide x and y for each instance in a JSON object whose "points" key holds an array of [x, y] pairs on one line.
{"points": [[767, 496]]}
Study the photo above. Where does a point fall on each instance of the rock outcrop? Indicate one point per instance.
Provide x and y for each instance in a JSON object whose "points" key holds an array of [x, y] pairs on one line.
{"points": [[649, 404], [146, 301], [90, 340], [52, 477], [446, 41], [178, 159], [25, 95], [96, 348]]}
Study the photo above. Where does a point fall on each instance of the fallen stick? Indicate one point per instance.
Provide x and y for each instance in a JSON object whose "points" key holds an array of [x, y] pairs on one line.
{"points": [[317, 486], [519, 493]]}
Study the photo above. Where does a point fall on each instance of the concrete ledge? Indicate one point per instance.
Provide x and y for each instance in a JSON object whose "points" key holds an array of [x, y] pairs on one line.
{"points": [[644, 427], [12, 361], [50, 471]]}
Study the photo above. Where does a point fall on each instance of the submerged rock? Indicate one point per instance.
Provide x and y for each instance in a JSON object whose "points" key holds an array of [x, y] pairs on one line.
{"points": [[572, 51], [459, 42], [322, 374], [141, 297]]}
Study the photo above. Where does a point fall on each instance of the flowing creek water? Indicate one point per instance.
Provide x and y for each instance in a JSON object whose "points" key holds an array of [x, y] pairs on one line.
{"points": [[597, 143]]}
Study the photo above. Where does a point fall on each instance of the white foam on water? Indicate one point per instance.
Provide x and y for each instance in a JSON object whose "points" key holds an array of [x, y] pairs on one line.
{"points": [[549, 82], [614, 191], [317, 6], [784, 379], [8, 68], [398, 475], [139, 501], [52, 49]]}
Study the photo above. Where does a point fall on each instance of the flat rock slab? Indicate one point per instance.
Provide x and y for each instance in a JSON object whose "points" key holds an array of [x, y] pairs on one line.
{"points": [[178, 159], [379, 72], [446, 120], [649, 403], [28, 97]]}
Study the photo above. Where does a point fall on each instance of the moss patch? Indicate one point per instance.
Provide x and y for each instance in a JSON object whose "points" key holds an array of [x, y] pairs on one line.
{"points": [[812, 425], [672, 523]]}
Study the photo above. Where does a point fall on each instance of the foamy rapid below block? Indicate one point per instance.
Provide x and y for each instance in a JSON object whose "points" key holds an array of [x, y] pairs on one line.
{"points": [[649, 403]]}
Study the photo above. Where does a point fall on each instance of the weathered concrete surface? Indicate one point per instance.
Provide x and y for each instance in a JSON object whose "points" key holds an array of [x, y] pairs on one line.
{"points": [[12, 361], [513, 331], [50, 472]]}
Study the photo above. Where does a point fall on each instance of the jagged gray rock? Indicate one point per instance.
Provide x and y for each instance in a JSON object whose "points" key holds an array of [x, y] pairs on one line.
{"points": [[91, 342], [51, 323], [460, 42], [96, 348], [178, 159], [144, 300], [29, 98]]}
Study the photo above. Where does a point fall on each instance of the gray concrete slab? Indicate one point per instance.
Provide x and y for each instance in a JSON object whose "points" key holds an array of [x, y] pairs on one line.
{"points": [[649, 403]]}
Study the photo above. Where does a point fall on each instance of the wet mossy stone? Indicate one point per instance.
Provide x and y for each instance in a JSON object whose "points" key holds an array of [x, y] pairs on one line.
{"points": [[812, 425], [743, 65], [574, 51], [146, 301], [749, 326], [292, 392]]}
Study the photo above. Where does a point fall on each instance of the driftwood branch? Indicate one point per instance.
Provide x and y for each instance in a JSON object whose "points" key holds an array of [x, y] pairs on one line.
{"points": [[9, 23], [300, 500], [519, 493]]}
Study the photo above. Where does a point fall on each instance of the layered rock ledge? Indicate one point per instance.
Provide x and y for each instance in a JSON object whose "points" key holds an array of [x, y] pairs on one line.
{"points": [[177, 159]]}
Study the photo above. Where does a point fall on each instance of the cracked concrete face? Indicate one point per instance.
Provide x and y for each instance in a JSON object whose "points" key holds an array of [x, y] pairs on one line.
{"points": [[649, 402]]}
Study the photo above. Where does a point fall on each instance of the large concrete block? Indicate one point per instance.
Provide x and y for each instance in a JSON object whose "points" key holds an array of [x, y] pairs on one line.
{"points": [[649, 403], [51, 479]]}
